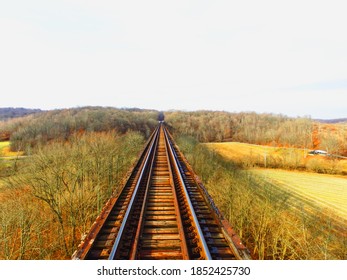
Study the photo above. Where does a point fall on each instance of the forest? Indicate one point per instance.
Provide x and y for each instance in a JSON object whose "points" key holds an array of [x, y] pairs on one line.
{"points": [[262, 129], [10, 113], [73, 160], [39, 129]]}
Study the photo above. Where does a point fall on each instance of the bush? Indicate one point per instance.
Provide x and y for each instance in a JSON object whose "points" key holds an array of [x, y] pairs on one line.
{"points": [[323, 165], [68, 182]]}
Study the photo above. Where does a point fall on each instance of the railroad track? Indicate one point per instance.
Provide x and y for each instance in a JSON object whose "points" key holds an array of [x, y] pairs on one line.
{"points": [[162, 212]]}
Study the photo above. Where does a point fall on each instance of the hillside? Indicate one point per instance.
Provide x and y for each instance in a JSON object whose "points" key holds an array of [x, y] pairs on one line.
{"points": [[342, 120], [250, 155], [40, 128], [327, 192], [10, 113], [260, 129]]}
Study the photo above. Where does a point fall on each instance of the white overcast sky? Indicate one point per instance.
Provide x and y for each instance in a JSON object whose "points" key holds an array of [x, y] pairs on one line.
{"points": [[286, 57]]}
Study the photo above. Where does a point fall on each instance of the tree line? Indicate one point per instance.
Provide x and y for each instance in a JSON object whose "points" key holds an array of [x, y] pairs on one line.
{"points": [[10, 112], [30, 131], [263, 129], [205, 126]]}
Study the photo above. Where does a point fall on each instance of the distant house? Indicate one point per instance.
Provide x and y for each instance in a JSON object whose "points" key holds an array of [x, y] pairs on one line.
{"points": [[318, 152]]}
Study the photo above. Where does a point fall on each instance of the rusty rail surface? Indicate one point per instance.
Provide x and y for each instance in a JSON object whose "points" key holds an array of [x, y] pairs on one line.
{"points": [[162, 212]]}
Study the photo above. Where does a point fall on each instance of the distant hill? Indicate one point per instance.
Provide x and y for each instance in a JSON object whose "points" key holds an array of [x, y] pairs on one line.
{"points": [[60, 124], [332, 120], [10, 113]]}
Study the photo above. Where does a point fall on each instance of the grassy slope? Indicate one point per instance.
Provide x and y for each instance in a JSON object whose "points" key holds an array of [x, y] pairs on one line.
{"points": [[328, 191], [236, 151], [239, 152]]}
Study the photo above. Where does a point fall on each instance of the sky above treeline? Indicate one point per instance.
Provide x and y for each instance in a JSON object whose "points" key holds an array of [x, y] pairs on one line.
{"points": [[286, 57]]}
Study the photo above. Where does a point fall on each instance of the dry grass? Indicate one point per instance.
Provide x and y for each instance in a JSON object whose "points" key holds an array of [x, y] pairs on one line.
{"points": [[329, 191], [5, 150], [326, 191], [250, 155], [2, 190], [238, 151]]}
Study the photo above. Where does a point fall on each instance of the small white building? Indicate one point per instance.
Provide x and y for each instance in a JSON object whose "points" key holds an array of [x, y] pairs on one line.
{"points": [[318, 152]]}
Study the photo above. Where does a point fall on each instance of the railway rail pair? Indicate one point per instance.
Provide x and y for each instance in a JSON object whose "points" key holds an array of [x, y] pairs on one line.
{"points": [[162, 212]]}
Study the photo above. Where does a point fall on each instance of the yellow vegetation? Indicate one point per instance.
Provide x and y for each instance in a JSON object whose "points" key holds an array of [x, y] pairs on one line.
{"points": [[4, 144], [238, 151], [330, 191], [250, 155], [5, 150]]}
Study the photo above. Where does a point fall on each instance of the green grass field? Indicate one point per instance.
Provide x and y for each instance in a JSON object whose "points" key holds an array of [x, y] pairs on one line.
{"points": [[328, 191]]}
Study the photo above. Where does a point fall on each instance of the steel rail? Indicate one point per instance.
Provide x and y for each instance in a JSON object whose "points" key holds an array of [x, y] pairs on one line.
{"points": [[87, 244], [134, 248], [184, 246], [127, 213], [200, 234]]}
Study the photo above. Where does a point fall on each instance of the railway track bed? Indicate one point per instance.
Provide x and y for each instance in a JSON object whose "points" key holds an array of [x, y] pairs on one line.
{"points": [[162, 212]]}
